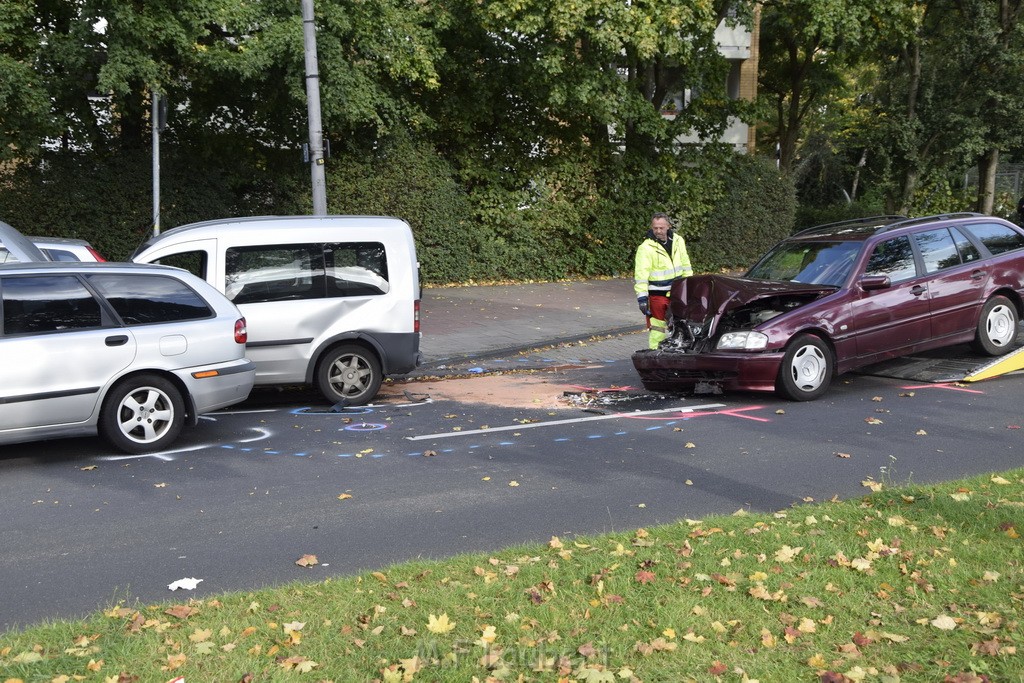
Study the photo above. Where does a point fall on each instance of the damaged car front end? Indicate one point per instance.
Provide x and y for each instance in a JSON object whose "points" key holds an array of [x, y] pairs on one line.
{"points": [[719, 336]]}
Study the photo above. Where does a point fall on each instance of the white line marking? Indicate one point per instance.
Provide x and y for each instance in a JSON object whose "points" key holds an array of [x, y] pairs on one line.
{"points": [[533, 425], [166, 456], [158, 456]]}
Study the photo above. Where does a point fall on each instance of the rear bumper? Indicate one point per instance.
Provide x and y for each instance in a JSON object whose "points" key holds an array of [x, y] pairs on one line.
{"points": [[231, 384], [677, 371]]}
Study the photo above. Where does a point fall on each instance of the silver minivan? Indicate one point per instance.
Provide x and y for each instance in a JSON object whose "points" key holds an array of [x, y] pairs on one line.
{"points": [[330, 301]]}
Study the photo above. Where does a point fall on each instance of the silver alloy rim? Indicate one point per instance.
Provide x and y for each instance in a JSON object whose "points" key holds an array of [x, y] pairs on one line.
{"points": [[1000, 326], [808, 368], [145, 415], [350, 375]]}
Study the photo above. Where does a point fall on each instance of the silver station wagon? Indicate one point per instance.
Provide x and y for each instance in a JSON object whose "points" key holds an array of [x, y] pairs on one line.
{"points": [[133, 352]]}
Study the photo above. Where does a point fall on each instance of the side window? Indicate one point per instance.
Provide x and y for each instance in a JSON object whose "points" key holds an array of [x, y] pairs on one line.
{"points": [[996, 238], [274, 273], [60, 255], [142, 299], [47, 303], [192, 261], [968, 252], [937, 249], [894, 258], [356, 269]]}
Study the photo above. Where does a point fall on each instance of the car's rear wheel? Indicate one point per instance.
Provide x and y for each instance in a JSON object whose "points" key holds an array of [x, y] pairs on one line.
{"points": [[142, 414], [806, 370], [349, 374], [997, 327]]}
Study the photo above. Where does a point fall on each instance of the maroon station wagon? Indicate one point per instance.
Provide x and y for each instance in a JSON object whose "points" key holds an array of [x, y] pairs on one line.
{"points": [[841, 296]]}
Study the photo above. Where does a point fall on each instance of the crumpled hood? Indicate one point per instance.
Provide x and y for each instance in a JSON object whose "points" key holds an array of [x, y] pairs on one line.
{"points": [[700, 296]]}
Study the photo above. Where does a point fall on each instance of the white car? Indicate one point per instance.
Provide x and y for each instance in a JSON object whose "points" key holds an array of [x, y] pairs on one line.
{"points": [[57, 249], [130, 351], [331, 301]]}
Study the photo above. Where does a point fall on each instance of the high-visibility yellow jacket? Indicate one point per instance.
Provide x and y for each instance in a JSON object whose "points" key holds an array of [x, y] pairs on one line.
{"points": [[655, 269]]}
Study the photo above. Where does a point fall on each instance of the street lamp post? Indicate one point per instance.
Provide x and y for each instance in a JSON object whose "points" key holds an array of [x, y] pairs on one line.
{"points": [[316, 133]]}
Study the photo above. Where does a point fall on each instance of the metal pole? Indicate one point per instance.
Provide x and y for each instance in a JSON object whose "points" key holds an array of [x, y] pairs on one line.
{"points": [[155, 125], [316, 133]]}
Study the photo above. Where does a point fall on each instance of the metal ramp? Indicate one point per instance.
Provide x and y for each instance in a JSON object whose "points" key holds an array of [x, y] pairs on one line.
{"points": [[1002, 365], [952, 364]]}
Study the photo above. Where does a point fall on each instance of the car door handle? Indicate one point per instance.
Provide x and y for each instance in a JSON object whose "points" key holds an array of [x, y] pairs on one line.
{"points": [[117, 340], [918, 290], [977, 275]]}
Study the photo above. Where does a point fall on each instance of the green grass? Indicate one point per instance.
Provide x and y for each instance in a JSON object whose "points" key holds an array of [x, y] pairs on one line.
{"points": [[921, 583]]}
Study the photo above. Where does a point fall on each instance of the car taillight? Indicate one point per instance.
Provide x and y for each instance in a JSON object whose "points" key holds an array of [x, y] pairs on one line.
{"points": [[97, 255], [241, 333], [416, 316]]}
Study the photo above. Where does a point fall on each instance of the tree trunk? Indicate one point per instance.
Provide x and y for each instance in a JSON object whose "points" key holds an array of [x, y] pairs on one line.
{"points": [[856, 174], [987, 166]]}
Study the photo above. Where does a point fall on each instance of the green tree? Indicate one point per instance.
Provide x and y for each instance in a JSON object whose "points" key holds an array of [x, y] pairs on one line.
{"points": [[807, 47], [948, 95]]}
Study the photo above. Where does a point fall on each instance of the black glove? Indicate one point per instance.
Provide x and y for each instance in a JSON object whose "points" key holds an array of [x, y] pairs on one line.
{"points": [[645, 307]]}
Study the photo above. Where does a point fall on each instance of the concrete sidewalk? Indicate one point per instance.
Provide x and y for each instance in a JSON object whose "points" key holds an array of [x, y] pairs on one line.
{"points": [[460, 324]]}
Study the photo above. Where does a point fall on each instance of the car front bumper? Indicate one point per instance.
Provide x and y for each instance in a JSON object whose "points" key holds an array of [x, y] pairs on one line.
{"points": [[678, 371]]}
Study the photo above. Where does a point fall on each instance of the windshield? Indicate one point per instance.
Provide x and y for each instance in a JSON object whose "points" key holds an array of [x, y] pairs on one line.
{"points": [[816, 263]]}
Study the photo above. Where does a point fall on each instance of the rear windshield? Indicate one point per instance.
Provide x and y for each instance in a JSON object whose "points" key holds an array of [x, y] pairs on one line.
{"points": [[816, 263]]}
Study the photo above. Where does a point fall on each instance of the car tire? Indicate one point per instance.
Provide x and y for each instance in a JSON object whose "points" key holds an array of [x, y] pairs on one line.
{"points": [[142, 414], [806, 370], [349, 374], [997, 327]]}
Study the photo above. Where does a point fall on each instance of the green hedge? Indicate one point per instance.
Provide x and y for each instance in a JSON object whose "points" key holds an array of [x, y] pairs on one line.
{"points": [[576, 216], [756, 210]]}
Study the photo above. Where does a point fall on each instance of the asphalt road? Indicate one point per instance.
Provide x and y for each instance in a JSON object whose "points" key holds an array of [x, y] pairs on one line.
{"points": [[459, 465]]}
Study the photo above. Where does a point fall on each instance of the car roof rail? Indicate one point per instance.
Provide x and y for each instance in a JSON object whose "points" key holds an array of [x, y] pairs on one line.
{"points": [[851, 222], [928, 219]]}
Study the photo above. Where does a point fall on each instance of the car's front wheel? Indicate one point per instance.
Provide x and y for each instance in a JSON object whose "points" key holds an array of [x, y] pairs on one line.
{"points": [[349, 374], [806, 370], [997, 327], [142, 414]]}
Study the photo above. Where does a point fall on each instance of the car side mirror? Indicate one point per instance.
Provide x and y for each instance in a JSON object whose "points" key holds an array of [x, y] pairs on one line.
{"points": [[872, 282]]}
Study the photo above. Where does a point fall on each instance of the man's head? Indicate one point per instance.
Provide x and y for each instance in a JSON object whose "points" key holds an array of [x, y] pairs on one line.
{"points": [[660, 225]]}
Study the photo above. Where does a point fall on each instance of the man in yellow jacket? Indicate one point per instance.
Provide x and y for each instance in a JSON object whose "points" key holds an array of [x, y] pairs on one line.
{"points": [[661, 259]]}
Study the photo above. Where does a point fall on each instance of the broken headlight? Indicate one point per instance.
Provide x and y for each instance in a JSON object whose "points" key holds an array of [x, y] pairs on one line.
{"points": [[747, 340]]}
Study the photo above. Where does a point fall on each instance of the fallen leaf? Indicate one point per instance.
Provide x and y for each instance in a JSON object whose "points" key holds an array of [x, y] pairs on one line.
{"points": [[440, 624], [181, 611], [429, 454], [873, 421], [161, 485], [345, 496], [307, 561], [944, 623], [88, 468], [645, 577], [921, 432], [842, 455], [513, 483]]}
